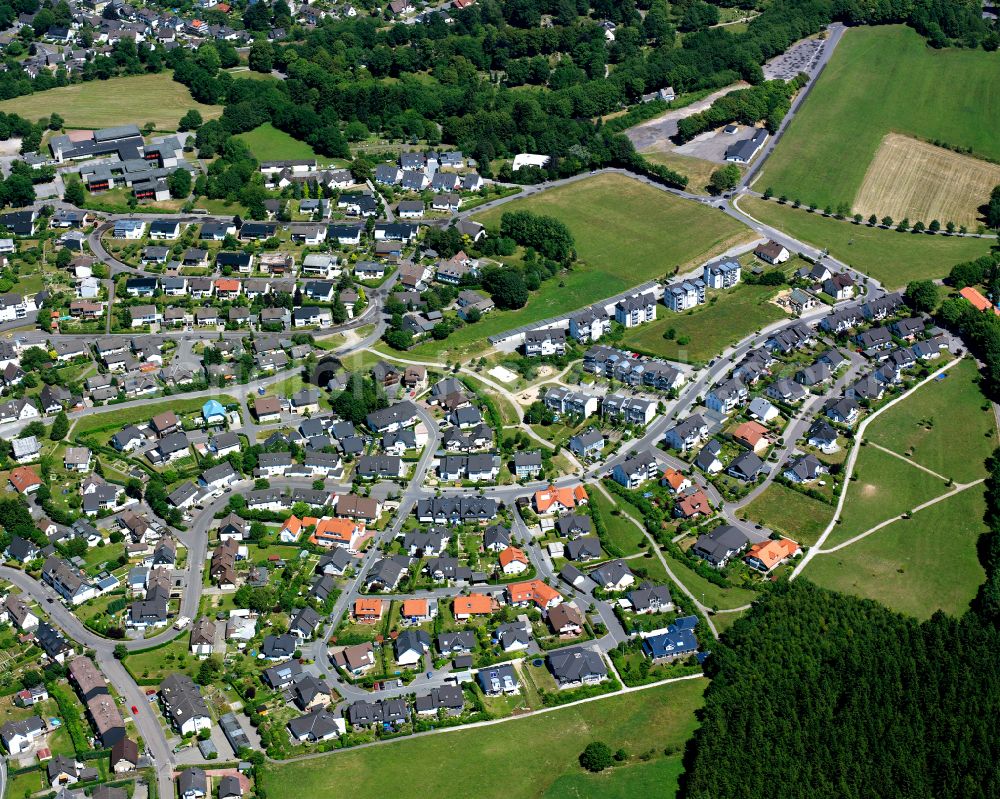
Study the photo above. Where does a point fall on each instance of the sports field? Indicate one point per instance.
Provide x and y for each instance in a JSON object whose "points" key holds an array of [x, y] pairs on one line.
{"points": [[267, 143], [890, 257], [915, 180], [915, 566], [626, 233], [136, 99], [881, 80], [709, 328], [946, 426], [521, 759]]}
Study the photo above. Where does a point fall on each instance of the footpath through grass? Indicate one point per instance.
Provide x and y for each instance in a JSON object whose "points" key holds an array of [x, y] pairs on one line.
{"points": [[531, 757], [706, 592], [136, 99], [885, 487], [890, 257], [947, 426], [915, 566], [880, 80]]}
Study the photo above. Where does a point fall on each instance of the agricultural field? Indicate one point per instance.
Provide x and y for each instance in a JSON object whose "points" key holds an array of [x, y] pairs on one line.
{"points": [[650, 720], [915, 566], [946, 426], [790, 513], [892, 258], [886, 486], [916, 180], [105, 103], [867, 91], [626, 233], [267, 143], [727, 317]]}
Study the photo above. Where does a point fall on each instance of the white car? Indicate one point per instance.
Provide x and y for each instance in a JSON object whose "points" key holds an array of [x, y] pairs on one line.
{"points": [[182, 622]]}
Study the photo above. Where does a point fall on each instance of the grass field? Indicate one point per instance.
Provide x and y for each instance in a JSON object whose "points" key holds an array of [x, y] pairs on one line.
{"points": [[943, 426], [530, 757], [916, 180], [886, 487], [136, 99], [697, 170], [626, 233], [711, 327], [267, 143], [915, 566], [120, 417], [790, 512], [880, 80], [890, 257], [621, 532], [708, 593]]}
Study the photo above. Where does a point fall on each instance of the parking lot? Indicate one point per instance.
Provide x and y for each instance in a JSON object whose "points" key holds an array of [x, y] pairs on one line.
{"points": [[799, 58]]}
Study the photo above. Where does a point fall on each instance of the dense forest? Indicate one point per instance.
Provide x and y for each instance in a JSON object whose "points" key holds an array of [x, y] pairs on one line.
{"points": [[817, 694]]}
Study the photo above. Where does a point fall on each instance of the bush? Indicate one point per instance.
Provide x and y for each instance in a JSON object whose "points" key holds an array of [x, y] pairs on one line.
{"points": [[597, 757]]}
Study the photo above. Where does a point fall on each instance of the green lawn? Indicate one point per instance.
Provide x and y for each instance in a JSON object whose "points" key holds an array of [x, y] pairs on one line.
{"points": [[621, 532], [790, 512], [711, 327], [155, 664], [119, 417], [709, 593], [104, 103], [880, 80], [943, 425], [915, 566], [267, 143], [626, 233], [530, 757], [886, 487], [890, 257]]}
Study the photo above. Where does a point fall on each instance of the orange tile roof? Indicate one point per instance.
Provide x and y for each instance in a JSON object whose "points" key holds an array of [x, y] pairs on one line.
{"points": [[750, 433], [336, 530], [510, 554], [415, 607], [772, 552], [367, 608], [977, 299], [566, 497], [533, 591], [24, 478], [295, 525], [694, 503], [675, 479], [473, 605], [227, 284]]}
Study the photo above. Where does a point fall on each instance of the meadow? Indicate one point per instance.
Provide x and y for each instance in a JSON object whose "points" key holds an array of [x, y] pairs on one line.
{"points": [[881, 80], [530, 757], [267, 143], [946, 426], [136, 99], [626, 233], [892, 258], [727, 317], [790, 512], [915, 566]]}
